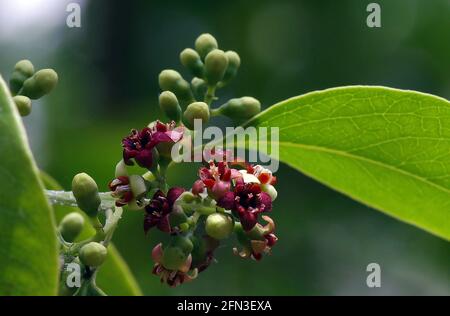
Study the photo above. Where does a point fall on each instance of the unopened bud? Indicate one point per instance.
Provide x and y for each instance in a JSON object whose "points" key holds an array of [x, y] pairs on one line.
{"points": [[71, 226], [85, 191], [23, 104], [216, 64], [171, 80], [199, 88], [191, 60], [168, 103], [176, 254], [204, 44], [241, 108], [23, 70], [219, 226], [196, 110], [234, 61], [121, 169], [137, 185], [40, 84], [93, 254]]}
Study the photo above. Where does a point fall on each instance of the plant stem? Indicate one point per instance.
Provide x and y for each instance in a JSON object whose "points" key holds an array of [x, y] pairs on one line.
{"points": [[210, 94], [65, 198]]}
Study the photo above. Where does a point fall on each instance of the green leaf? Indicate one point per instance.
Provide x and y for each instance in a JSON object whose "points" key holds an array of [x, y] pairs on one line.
{"points": [[28, 248], [387, 148], [114, 276]]}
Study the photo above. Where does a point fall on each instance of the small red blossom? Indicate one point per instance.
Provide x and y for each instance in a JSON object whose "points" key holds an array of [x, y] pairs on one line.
{"points": [[159, 208], [140, 145], [246, 201], [121, 190]]}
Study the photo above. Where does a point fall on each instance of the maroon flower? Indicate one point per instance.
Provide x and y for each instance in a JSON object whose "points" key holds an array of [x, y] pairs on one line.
{"points": [[157, 212], [141, 144], [247, 201], [121, 190]]}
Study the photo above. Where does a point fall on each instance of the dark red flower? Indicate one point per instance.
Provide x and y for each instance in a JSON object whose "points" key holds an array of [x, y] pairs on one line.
{"points": [[247, 201], [140, 145], [159, 208], [217, 178], [121, 190]]}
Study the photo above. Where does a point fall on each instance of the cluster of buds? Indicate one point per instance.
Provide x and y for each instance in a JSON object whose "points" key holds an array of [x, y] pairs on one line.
{"points": [[212, 69], [228, 198], [25, 84]]}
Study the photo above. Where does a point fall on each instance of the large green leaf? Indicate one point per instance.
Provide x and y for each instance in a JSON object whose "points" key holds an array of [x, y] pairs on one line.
{"points": [[28, 248], [387, 148], [114, 276]]}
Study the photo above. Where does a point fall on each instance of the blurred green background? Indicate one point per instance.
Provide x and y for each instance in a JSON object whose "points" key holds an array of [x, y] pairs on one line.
{"points": [[108, 84]]}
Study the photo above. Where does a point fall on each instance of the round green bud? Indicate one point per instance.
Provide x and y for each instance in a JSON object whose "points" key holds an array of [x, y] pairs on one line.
{"points": [[191, 60], [85, 191], [173, 258], [23, 70], [216, 64], [93, 254], [241, 108], [219, 226], [171, 80], [204, 44], [71, 226], [196, 110], [199, 88], [40, 84], [234, 61], [177, 217], [168, 103], [23, 104], [182, 242]]}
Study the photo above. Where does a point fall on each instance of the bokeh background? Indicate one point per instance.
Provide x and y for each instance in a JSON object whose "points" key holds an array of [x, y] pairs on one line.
{"points": [[108, 84]]}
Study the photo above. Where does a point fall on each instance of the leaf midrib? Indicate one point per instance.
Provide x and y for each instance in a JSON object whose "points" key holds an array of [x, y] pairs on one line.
{"points": [[365, 159]]}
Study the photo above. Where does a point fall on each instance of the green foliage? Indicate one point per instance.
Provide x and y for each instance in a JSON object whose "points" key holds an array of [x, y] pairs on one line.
{"points": [[28, 250], [386, 148]]}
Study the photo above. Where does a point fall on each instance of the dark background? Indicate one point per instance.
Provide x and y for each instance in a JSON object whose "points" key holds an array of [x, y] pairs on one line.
{"points": [[108, 72]]}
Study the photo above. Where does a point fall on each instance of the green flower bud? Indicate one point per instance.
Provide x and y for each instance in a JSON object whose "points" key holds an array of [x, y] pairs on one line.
{"points": [[71, 226], [121, 169], [204, 44], [173, 258], [234, 61], [23, 70], [191, 60], [138, 186], [85, 191], [219, 226], [168, 103], [182, 242], [175, 255], [241, 108], [93, 254], [199, 88], [216, 63], [40, 84], [196, 110], [177, 217], [171, 80], [23, 104]]}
